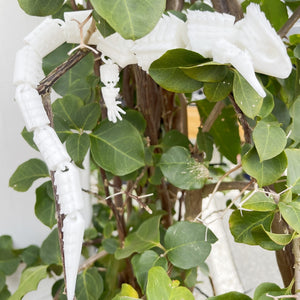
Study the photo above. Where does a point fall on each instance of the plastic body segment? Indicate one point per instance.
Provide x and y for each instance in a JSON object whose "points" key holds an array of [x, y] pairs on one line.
{"points": [[51, 148], [68, 186], [30, 104], [46, 37], [28, 67], [73, 230]]}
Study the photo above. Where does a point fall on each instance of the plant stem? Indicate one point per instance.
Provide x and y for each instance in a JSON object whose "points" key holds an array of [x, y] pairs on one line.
{"points": [[213, 116], [296, 252], [228, 6], [289, 23]]}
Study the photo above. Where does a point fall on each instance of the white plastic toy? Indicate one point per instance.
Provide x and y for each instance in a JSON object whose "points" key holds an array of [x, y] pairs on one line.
{"points": [[169, 33], [73, 230], [109, 73], [250, 45], [31, 106], [51, 148], [28, 67], [68, 188], [46, 37]]}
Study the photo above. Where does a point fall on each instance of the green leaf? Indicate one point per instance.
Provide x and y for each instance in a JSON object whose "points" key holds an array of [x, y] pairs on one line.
{"points": [[269, 139], [174, 138], [29, 281], [45, 205], [276, 12], [27, 173], [62, 128], [131, 18], [6, 242], [127, 292], [230, 296], [2, 281], [67, 108], [191, 278], [280, 239], [146, 237], [224, 131], [258, 201], [295, 128], [167, 70], [216, 91], [267, 105], [104, 28], [205, 143], [246, 97], [262, 239], [266, 172], [50, 249], [191, 247], [9, 261], [30, 255], [117, 148], [77, 146], [182, 170], [76, 80], [241, 225], [87, 116], [136, 119], [89, 285], [265, 288], [207, 72], [5, 293], [40, 7], [110, 245], [28, 137], [293, 170], [160, 287], [291, 214], [143, 262]]}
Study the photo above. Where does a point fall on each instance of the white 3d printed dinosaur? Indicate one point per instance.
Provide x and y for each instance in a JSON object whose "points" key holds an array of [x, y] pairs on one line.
{"points": [[250, 45]]}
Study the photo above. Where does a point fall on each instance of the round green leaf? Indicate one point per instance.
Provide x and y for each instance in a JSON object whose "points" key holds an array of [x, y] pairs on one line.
{"points": [[45, 205], [294, 113], [216, 91], [143, 262], [9, 261], [293, 170], [191, 247], [174, 138], [265, 288], [267, 105], [266, 172], [50, 249], [27, 173], [258, 201], [30, 255], [230, 296], [167, 71], [291, 214], [6, 242], [182, 170], [207, 72], [181, 292], [246, 97], [29, 281], [241, 225], [269, 139], [77, 146], [146, 237], [40, 7], [131, 18], [89, 285], [117, 148], [87, 116], [136, 119]]}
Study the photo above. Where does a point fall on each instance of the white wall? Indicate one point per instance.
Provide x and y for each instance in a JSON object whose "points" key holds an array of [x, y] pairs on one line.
{"points": [[16, 209]]}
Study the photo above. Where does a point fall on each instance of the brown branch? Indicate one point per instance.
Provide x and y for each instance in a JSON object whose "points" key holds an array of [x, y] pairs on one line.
{"points": [[59, 71], [73, 4], [214, 114], [296, 252], [289, 23], [244, 123], [231, 7], [91, 260]]}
